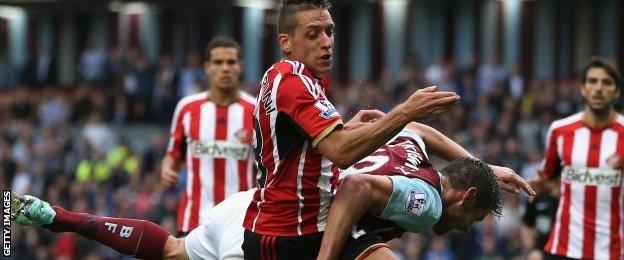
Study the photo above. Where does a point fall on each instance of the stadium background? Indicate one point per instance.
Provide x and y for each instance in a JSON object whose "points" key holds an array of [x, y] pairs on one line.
{"points": [[87, 91]]}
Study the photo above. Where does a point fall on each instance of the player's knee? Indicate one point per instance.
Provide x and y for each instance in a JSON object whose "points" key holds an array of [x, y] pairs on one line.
{"points": [[381, 253], [175, 249]]}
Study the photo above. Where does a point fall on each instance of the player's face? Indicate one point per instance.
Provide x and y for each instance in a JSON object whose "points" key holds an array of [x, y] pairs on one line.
{"points": [[312, 40], [458, 217], [223, 68], [599, 90]]}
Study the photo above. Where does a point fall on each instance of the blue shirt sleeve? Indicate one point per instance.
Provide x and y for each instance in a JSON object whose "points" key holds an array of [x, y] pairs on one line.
{"points": [[414, 205]]}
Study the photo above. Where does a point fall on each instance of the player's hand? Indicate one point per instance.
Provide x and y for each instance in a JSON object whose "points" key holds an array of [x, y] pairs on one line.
{"points": [[538, 184], [367, 116], [543, 185], [510, 181], [615, 161], [362, 118], [427, 102], [168, 177]]}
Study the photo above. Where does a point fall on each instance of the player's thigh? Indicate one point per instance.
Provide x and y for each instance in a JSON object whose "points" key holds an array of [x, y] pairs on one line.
{"points": [[202, 242], [175, 249], [231, 242], [380, 253], [360, 244]]}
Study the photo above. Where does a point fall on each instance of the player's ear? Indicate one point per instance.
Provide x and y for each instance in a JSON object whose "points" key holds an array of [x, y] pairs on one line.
{"points": [[468, 199], [284, 42]]}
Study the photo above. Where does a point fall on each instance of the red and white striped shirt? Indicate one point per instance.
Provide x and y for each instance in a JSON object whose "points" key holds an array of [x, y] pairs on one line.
{"points": [[589, 218], [292, 115], [215, 141]]}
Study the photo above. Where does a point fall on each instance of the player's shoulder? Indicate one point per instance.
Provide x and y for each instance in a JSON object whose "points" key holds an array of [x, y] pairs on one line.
{"points": [[289, 67], [619, 119], [293, 71], [296, 79], [414, 205], [247, 98], [567, 122], [411, 135], [185, 101]]}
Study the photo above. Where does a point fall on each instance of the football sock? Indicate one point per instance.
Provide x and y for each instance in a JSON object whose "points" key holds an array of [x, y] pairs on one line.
{"points": [[139, 238]]}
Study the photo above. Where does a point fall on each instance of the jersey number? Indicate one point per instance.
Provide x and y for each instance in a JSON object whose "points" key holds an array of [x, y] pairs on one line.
{"points": [[371, 163], [257, 146]]}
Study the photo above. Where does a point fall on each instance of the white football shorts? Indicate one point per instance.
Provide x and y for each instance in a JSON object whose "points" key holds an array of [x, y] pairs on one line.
{"points": [[221, 235]]}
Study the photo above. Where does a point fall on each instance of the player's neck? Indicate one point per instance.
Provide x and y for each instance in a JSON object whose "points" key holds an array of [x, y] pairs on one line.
{"points": [[597, 120], [223, 97], [448, 195]]}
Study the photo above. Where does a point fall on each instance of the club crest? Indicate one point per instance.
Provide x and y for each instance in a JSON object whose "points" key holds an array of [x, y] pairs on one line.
{"points": [[415, 203]]}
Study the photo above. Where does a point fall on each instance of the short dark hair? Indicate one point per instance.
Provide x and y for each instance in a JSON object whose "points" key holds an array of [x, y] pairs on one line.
{"points": [[286, 21], [221, 41], [467, 172], [596, 62]]}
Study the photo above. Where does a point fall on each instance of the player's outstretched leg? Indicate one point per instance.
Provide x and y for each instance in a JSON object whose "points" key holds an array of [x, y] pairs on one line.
{"points": [[139, 238]]}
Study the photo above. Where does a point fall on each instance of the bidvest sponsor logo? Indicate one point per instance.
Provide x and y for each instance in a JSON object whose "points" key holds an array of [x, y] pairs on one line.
{"points": [[592, 176], [220, 149]]}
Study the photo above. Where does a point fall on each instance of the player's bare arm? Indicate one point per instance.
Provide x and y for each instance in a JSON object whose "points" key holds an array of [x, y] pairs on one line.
{"points": [[447, 149], [437, 143], [175, 249], [358, 194], [442, 146], [344, 148], [169, 171], [545, 182], [362, 118]]}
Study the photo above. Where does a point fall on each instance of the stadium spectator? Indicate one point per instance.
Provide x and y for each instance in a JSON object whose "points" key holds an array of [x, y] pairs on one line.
{"points": [[490, 75], [41, 69], [164, 97], [92, 64], [52, 109], [191, 77], [8, 165], [5, 71], [515, 83]]}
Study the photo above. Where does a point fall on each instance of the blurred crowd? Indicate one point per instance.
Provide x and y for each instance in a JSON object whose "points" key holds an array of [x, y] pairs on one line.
{"points": [[64, 143], [60, 145]]}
